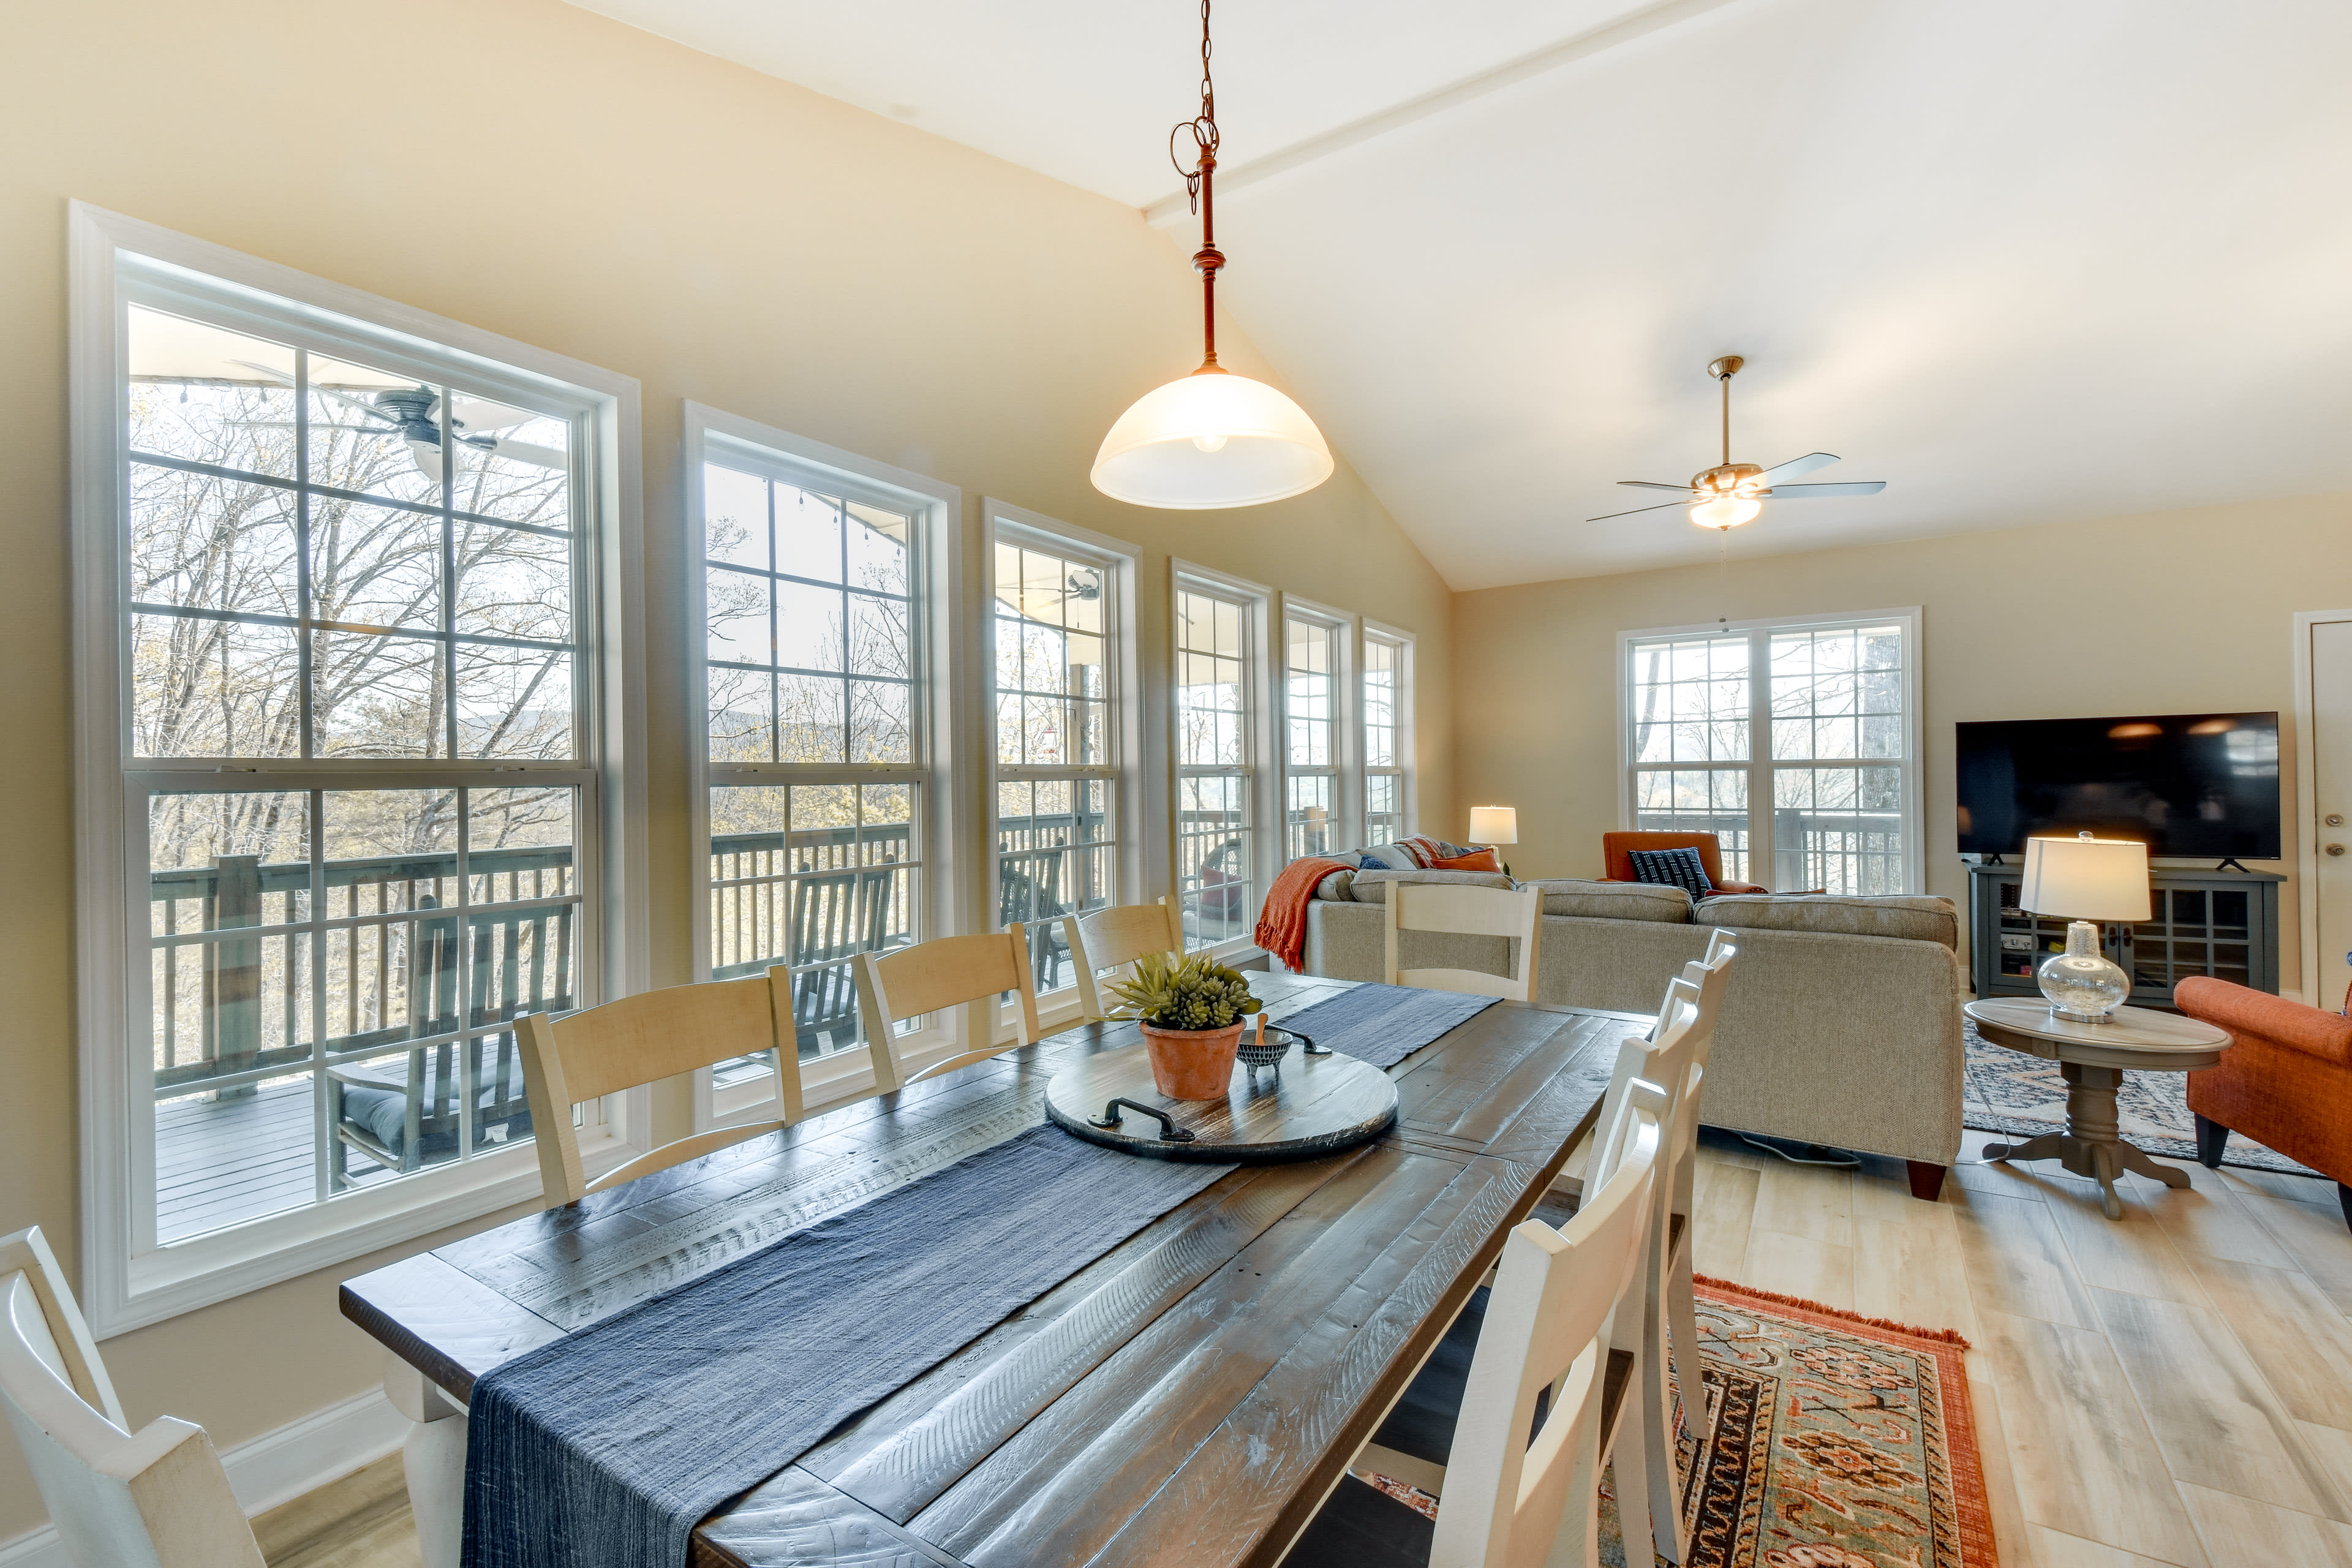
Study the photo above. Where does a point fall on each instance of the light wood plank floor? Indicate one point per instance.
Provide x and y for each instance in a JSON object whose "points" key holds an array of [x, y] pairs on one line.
{"points": [[2172, 1389]]}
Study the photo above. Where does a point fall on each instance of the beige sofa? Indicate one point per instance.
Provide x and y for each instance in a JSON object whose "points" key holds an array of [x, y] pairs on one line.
{"points": [[1841, 1025]]}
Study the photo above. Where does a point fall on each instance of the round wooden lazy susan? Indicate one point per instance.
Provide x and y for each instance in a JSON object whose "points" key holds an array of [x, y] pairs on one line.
{"points": [[1318, 1105]]}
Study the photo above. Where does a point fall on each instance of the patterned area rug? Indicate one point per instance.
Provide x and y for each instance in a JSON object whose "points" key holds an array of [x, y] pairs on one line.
{"points": [[2009, 1092], [1825, 1441]]}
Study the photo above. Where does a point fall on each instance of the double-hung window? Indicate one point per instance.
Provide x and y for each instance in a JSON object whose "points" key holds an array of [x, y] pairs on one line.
{"points": [[817, 575], [1315, 733], [352, 718], [1796, 743], [1061, 622], [1388, 740], [1218, 710]]}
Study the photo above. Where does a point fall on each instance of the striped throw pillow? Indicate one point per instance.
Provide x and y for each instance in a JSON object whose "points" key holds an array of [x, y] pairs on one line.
{"points": [[1676, 867]]}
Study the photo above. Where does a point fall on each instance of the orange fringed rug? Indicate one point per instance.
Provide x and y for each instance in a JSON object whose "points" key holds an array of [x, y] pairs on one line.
{"points": [[1826, 1440]]}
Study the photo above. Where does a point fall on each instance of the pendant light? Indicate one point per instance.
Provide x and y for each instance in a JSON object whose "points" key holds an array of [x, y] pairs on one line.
{"points": [[1214, 439]]}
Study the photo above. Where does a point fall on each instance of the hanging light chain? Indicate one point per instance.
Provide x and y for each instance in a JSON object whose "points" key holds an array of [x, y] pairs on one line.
{"points": [[1203, 126]]}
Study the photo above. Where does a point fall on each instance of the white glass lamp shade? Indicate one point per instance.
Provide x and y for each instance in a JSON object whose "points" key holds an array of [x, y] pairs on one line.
{"points": [[2085, 879], [1211, 439], [1726, 511], [1494, 824]]}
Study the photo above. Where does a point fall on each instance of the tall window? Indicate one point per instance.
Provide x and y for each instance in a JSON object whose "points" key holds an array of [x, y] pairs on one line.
{"points": [[1056, 703], [1216, 721], [1796, 744], [1385, 761], [359, 722], [1312, 808], [813, 699]]}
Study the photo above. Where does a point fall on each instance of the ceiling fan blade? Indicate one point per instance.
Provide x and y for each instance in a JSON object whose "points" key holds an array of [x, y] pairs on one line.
{"points": [[1795, 468], [528, 452], [1802, 493], [1661, 506], [1646, 485], [480, 416]]}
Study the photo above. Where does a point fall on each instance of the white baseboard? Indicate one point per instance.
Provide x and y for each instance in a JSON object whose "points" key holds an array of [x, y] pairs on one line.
{"points": [[273, 1468]]}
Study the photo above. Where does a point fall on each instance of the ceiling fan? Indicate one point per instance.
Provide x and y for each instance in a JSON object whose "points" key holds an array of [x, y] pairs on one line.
{"points": [[1731, 493], [415, 412]]}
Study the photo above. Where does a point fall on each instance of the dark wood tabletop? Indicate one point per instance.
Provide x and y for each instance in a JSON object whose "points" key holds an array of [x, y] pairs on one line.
{"points": [[1190, 1397]]}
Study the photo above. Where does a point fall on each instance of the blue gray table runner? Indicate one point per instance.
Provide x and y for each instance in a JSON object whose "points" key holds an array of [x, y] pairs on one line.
{"points": [[606, 1449], [1382, 1024]]}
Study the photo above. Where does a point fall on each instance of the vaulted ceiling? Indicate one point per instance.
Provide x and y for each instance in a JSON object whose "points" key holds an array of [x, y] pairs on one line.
{"points": [[2026, 262]]}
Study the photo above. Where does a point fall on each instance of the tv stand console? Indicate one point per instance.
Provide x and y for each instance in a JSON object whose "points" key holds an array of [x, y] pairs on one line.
{"points": [[2217, 923]]}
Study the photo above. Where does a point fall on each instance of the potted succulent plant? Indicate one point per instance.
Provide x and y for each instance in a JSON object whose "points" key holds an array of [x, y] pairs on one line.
{"points": [[1191, 1013]]}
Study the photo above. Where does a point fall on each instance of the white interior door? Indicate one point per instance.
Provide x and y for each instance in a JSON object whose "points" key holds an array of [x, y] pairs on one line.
{"points": [[2328, 811]]}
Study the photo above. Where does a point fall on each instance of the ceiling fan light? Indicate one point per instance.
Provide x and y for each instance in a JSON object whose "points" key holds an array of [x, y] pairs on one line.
{"points": [[1726, 511], [1208, 441]]}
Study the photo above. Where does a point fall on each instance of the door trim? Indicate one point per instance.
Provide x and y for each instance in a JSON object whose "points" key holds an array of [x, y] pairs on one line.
{"points": [[2307, 798]]}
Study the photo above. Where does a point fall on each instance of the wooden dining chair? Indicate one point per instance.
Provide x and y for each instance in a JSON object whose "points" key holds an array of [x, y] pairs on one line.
{"points": [[155, 1499], [1108, 938], [1506, 1497], [643, 1039], [1514, 912], [945, 972]]}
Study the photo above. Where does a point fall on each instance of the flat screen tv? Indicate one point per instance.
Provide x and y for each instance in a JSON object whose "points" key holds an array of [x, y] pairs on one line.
{"points": [[2190, 786]]}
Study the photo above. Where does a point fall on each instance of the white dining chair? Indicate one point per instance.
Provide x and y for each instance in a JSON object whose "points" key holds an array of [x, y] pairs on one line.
{"points": [[1507, 1498], [1669, 1312], [641, 1039], [1109, 938], [1513, 912], [154, 1499], [945, 972]]}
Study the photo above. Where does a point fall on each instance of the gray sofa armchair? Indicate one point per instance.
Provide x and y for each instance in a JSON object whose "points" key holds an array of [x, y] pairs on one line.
{"points": [[1841, 1025]]}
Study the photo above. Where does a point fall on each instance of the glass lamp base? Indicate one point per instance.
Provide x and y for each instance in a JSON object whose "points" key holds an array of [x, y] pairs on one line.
{"points": [[2082, 984]]}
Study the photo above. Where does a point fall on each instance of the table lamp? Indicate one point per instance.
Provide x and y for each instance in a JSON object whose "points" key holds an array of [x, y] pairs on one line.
{"points": [[2085, 880], [1495, 824]]}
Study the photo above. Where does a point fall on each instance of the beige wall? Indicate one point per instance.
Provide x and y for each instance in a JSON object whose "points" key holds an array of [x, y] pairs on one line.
{"points": [[2177, 612], [719, 235]]}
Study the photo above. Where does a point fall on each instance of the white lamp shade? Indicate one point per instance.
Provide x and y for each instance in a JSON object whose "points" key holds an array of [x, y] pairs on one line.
{"points": [[1266, 446], [2085, 879], [1494, 824]]}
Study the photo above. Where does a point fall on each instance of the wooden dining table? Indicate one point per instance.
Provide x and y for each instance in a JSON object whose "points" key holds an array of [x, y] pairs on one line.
{"points": [[1190, 1397]]}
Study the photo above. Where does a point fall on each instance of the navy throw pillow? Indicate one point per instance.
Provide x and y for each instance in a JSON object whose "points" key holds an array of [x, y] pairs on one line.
{"points": [[1676, 868]]}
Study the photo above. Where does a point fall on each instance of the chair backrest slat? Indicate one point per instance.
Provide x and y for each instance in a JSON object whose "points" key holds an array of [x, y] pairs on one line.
{"points": [[931, 977], [1515, 913], [1555, 1296], [643, 1039], [1109, 938], [155, 1499]]}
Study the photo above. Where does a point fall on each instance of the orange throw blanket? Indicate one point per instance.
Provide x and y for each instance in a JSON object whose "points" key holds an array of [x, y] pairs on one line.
{"points": [[1281, 923]]}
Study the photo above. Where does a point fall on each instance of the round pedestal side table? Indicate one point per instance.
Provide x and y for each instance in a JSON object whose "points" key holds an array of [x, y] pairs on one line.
{"points": [[2091, 1058]]}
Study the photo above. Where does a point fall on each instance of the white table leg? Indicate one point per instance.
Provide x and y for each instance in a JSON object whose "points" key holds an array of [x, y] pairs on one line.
{"points": [[434, 1458]]}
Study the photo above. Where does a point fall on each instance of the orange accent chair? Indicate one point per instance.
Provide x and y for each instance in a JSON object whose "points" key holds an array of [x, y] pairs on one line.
{"points": [[1615, 849], [2285, 1080]]}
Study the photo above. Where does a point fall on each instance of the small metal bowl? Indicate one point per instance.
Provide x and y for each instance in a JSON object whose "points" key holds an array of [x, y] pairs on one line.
{"points": [[1277, 1045]]}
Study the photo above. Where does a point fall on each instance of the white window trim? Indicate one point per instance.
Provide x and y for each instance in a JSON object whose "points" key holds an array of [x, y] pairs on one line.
{"points": [[123, 1287], [1759, 764], [1130, 808], [1262, 761], [1346, 771], [946, 769], [1407, 769]]}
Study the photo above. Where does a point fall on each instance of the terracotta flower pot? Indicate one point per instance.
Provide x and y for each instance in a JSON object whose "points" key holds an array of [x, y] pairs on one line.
{"points": [[1193, 1064]]}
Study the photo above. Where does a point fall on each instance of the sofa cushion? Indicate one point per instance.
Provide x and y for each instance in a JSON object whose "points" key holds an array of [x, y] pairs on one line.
{"points": [[1910, 918], [1682, 867], [1334, 887], [1614, 901], [1384, 857], [1373, 887]]}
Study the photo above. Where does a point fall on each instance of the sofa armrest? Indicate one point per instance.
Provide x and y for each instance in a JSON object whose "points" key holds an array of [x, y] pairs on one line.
{"points": [[1740, 888], [2307, 1031]]}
